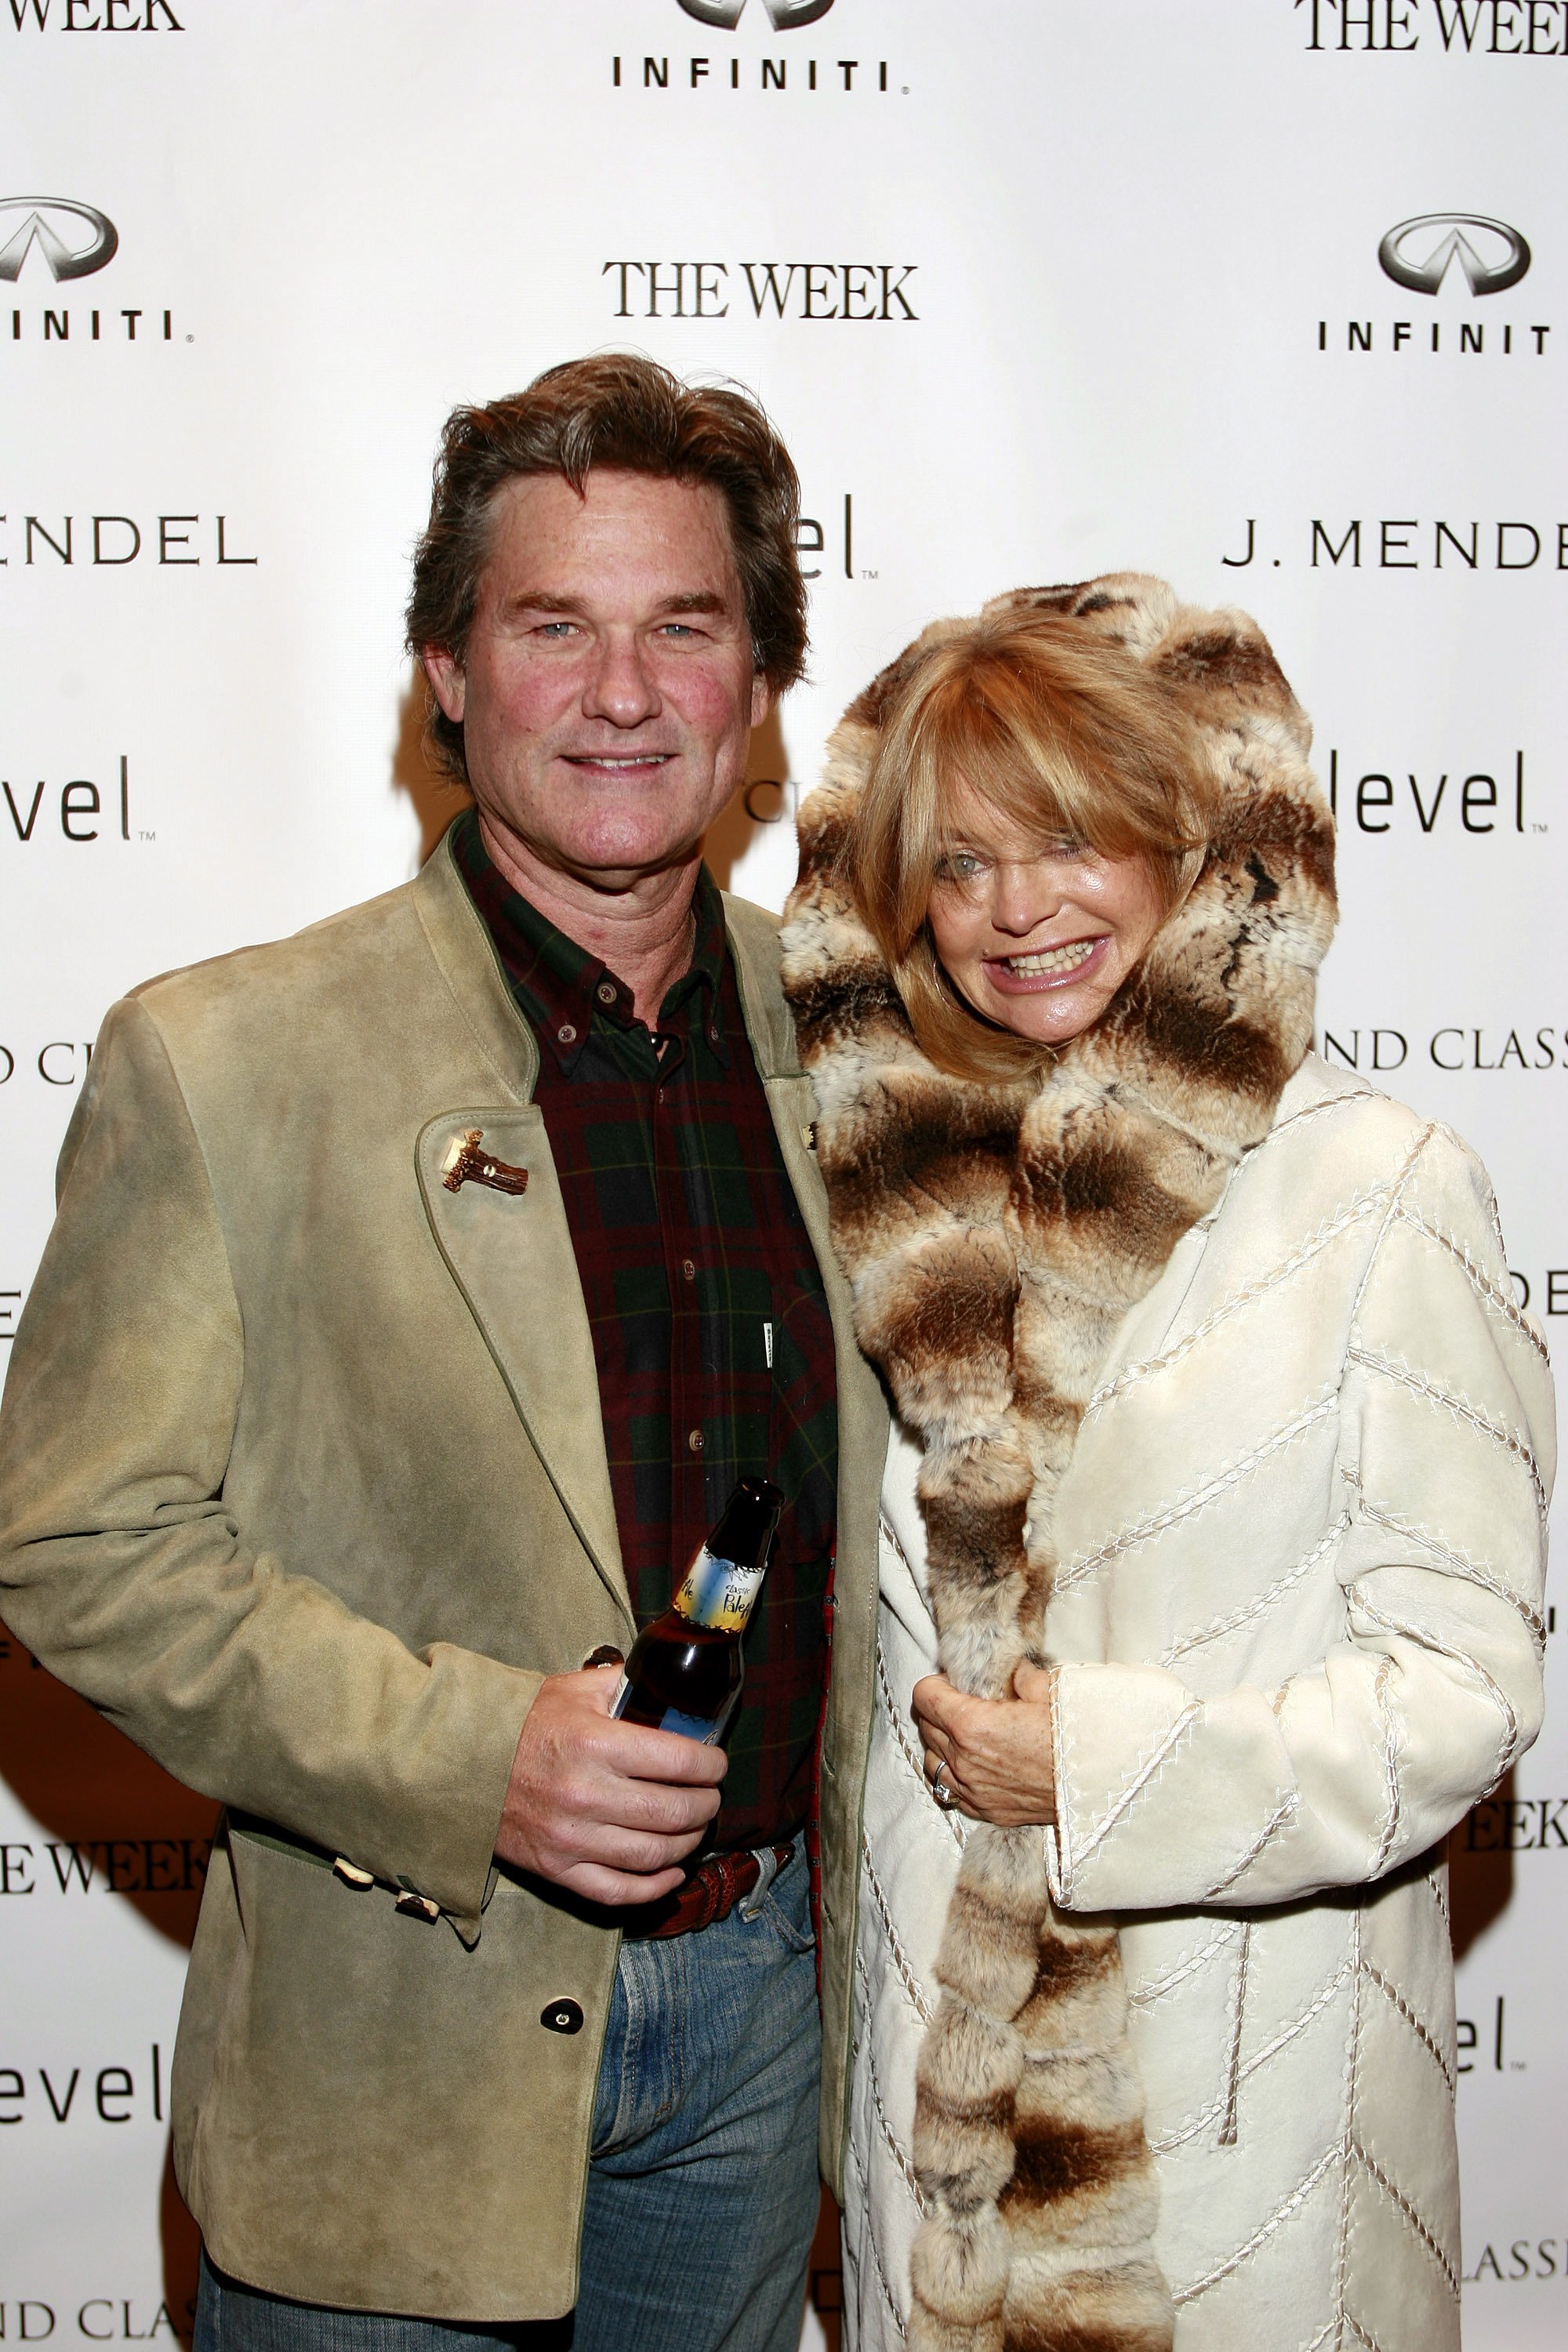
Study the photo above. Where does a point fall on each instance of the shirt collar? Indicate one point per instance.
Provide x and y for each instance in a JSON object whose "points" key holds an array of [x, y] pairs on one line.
{"points": [[560, 988]]}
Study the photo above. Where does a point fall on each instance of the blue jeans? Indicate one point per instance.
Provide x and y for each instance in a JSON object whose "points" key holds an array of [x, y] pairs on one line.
{"points": [[702, 2180]]}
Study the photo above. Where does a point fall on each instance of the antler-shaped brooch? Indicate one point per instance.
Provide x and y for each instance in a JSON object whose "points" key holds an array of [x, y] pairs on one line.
{"points": [[466, 1164]]}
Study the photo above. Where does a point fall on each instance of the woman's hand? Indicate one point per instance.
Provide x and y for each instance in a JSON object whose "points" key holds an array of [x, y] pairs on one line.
{"points": [[995, 1754]]}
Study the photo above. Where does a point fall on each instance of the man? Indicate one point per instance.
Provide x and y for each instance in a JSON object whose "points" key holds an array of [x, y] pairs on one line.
{"points": [[419, 1288]]}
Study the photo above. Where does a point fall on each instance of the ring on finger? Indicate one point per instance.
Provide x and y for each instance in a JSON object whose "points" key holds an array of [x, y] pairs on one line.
{"points": [[945, 1797]]}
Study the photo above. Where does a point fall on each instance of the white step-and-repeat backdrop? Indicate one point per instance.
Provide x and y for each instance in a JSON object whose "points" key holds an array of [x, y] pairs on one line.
{"points": [[1270, 299]]}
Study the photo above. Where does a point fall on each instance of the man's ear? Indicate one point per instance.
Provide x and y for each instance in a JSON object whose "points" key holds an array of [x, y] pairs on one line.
{"points": [[762, 699], [448, 685]]}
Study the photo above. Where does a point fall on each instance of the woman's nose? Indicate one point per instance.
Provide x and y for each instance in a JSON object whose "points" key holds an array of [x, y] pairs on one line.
{"points": [[1023, 896]]}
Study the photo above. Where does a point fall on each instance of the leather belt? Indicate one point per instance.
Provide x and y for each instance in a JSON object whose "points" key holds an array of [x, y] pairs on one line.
{"points": [[711, 1892]]}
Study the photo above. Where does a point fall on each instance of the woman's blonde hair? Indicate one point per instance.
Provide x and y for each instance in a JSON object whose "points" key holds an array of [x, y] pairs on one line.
{"points": [[1066, 735]]}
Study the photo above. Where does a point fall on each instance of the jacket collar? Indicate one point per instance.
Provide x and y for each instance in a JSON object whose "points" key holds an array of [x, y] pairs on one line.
{"points": [[468, 963]]}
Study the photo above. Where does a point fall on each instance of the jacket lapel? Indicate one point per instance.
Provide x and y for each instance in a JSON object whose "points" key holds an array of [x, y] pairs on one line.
{"points": [[862, 1409], [509, 1252]]}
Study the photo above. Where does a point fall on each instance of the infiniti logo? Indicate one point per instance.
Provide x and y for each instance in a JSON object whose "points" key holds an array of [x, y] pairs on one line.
{"points": [[785, 16], [1492, 256], [39, 216]]}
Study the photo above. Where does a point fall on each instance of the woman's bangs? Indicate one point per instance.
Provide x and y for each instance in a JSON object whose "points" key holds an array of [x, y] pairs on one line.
{"points": [[1020, 764]]}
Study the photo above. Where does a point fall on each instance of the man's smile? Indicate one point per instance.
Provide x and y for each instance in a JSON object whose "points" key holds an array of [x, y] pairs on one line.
{"points": [[618, 762]]}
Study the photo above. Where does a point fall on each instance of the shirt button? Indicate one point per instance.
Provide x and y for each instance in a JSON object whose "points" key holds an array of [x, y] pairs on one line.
{"points": [[605, 992], [695, 1441], [713, 1035], [566, 1034], [689, 1269]]}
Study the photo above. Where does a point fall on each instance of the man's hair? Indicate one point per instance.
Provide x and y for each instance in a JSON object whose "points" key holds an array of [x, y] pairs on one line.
{"points": [[1070, 737], [621, 410]]}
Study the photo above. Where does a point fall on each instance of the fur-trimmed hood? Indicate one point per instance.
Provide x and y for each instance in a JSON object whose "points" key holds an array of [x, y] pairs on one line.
{"points": [[994, 1237]]}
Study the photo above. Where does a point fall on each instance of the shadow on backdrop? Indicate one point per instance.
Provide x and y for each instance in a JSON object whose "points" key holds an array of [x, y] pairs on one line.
{"points": [[764, 800], [1481, 1867], [435, 797], [114, 1827], [114, 1823]]}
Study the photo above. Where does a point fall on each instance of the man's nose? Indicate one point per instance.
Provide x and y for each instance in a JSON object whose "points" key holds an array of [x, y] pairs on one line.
{"points": [[620, 684], [1023, 896]]}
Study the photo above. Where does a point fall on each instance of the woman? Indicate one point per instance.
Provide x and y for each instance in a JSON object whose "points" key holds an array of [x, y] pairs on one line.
{"points": [[1217, 1494]]}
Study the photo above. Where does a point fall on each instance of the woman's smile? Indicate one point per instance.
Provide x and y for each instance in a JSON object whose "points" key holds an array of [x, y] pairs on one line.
{"points": [[1044, 967]]}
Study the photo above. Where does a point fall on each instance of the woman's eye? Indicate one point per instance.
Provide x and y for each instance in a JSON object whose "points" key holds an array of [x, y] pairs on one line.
{"points": [[960, 865]]}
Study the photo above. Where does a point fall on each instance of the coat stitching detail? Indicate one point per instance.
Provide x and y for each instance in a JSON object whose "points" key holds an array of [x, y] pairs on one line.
{"points": [[1341, 2255], [1426, 1639], [1282, 2212], [1390, 1762], [1227, 2130], [907, 1976], [1407, 1171], [1327, 1232], [886, 1530], [1144, 1773], [1202, 1497], [870, 2237], [1156, 1989], [1217, 1627], [1458, 1564], [1281, 2040], [1462, 1410], [1397, 2198], [1483, 1287], [1353, 1099], [1392, 1993], [912, 2179], [1277, 1820]]}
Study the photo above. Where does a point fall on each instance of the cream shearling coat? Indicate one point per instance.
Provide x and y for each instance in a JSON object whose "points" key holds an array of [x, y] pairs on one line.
{"points": [[1296, 1631]]}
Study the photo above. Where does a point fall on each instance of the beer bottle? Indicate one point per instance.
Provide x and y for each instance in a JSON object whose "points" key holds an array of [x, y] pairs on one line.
{"points": [[684, 1671]]}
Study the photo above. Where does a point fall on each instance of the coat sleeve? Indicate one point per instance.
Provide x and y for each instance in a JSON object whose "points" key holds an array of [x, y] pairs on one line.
{"points": [[122, 1568], [1369, 1754]]}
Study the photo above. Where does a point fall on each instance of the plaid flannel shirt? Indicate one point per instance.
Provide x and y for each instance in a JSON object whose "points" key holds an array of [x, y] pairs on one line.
{"points": [[712, 1332]]}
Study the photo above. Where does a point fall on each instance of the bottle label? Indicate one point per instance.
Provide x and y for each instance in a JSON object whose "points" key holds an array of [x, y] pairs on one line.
{"points": [[708, 1730], [718, 1593], [691, 1727]]}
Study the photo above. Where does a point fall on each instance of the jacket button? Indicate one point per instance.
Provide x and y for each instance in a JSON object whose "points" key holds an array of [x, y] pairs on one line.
{"points": [[561, 2017]]}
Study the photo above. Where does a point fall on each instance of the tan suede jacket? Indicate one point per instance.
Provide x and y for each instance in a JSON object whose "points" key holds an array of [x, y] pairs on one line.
{"points": [[302, 1482]]}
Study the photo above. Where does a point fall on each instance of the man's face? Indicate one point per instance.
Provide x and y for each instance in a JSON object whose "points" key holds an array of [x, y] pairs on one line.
{"points": [[607, 691]]}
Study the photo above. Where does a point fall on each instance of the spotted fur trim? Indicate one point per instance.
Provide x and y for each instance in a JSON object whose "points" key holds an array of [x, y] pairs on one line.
{"points": [[995, 1236]]}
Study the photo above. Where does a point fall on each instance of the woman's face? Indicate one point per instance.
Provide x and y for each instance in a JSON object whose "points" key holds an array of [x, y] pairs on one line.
{"points": [[1036, 939]]}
